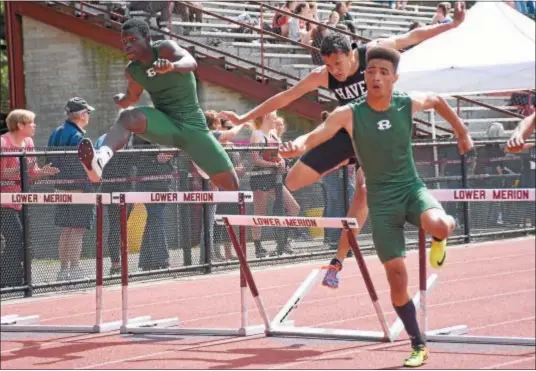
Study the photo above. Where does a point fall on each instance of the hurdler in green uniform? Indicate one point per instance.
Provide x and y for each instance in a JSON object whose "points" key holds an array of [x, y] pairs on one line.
{"points": [[395, 193], [380, 125], [165, 71]]}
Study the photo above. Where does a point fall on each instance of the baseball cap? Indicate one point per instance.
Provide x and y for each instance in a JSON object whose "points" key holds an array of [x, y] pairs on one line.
{"points": [[77, 104]]}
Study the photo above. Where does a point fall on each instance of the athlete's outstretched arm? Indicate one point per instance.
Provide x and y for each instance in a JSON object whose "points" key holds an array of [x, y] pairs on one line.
{"points": [[423, 102], [421, 34], [341, 118], [228, 135], [526, 127], [180, 59], [133, 94], [316, 79]]}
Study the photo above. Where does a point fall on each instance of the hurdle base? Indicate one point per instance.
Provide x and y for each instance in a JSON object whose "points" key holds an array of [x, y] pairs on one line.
{"points": [[15, 319], [169, 326], [284, 327], [21, 324], [327, 333], [458, 335]]}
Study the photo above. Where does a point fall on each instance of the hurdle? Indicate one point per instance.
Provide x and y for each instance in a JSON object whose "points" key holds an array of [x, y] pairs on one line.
{"points": [[169, 326], [16, 323], [459, 333], [282, 325]]}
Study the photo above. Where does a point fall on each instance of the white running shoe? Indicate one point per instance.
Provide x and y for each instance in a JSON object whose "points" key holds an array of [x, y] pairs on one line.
{"points": [[90, 160]]}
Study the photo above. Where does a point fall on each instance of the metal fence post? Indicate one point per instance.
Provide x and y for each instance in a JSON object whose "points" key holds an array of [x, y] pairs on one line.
{"points": [[27, 254], [185, 215], [466, 227], [281, 237], [208, 248]]}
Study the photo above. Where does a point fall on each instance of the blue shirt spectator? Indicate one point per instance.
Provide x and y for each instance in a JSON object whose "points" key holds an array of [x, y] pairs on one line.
{"points": [[69, 134]]}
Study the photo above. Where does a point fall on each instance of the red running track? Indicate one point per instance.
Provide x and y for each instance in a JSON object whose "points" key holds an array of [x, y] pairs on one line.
{"points": [[488, 286]]}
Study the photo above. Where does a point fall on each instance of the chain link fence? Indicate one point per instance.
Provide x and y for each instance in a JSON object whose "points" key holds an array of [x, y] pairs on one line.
{"points": [[48, 248]]}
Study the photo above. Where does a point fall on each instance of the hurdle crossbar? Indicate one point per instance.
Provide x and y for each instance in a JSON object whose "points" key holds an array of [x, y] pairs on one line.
{"points": [[16, 323], [459, 333], [170, 326], [281, 325]]}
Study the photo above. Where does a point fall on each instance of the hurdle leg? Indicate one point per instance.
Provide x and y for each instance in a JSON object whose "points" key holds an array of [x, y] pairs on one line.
{"points": [[423, 315], [244, 267], [124, 323], [456, 334], [124, 263], [99, 266], [243, 281], [312, 279], [368, 281]]}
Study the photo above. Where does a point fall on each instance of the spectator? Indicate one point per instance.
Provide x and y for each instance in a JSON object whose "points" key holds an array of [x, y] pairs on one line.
{"points": [[120, 166], [344, 15], [313, 10], [442, 14], [21, 129], [401, 5], [154, 252], [524, 103], [318, 34], [280, 23], [492, 162], [280, 127], [263, 185], [297, 27], [74, 219], [225, 132], [159, 10]]}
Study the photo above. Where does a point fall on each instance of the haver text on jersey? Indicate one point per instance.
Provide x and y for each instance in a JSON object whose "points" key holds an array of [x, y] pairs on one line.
{"points": [[352, 91]]}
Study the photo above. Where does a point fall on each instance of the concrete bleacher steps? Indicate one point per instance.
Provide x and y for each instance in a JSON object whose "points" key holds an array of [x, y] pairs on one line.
{"points": [[372, 20]]}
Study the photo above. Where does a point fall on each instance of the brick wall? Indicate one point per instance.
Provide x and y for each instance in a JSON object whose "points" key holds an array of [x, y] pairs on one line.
{"points": [[60, 65]]}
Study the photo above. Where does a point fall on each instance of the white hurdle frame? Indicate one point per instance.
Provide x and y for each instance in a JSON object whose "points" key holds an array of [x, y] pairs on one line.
{"points": [[16, 323], [281, 325], [458, 334], [169, 326]]}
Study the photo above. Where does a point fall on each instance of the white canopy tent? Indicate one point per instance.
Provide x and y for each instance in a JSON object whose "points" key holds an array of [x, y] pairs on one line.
{"points": [[492, 51]]}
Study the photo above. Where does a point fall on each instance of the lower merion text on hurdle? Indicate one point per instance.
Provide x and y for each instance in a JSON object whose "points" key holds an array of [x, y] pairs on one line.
{"points": [[286, 222]]}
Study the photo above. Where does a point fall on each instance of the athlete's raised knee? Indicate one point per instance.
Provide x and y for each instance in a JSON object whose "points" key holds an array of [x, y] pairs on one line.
{"points": [[299, 176], [445, 226], [292, 182], [438, 224]]}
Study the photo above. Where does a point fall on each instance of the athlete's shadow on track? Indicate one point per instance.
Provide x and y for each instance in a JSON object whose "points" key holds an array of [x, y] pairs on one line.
{"points": [[69, 349], [254, 356]]}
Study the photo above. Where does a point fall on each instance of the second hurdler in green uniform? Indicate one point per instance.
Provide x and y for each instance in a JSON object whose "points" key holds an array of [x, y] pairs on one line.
{"points": [[165, 71], [380, 125]]}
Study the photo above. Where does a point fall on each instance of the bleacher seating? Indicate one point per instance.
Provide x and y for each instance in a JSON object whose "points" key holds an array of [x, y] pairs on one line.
{"points": [[372, 20]]}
